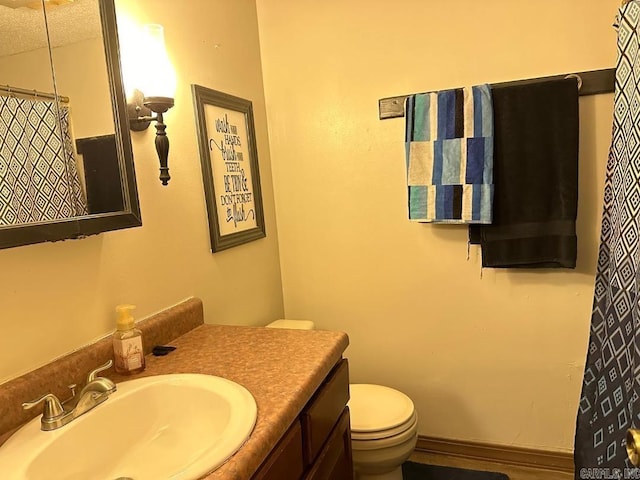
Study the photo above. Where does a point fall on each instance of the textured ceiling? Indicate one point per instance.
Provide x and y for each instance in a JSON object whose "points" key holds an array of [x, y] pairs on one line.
{"points": [[23, 29]]}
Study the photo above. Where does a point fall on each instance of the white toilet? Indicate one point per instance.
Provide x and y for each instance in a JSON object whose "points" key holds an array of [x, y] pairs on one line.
{"points": [[384, 424]]}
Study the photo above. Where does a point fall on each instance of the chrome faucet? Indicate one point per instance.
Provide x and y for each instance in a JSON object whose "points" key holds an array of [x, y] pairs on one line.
{"points": [[54, 413]]}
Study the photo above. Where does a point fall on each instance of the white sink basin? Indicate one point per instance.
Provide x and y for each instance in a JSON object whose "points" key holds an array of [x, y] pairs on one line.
{"points": [[177, 427]]}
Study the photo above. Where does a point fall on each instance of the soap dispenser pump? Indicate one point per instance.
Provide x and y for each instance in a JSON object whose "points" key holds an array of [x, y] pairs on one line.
{"points": [[127, 343]]}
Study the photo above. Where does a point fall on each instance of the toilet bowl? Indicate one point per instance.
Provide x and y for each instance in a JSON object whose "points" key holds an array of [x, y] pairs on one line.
{"points": [[384, 424], [384, 431]]}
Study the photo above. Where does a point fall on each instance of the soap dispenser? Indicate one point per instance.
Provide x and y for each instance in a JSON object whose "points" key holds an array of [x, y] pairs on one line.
{"points": [[127, 343]]}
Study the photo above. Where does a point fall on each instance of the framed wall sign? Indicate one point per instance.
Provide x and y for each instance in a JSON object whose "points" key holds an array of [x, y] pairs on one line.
{"points": [[229, 159]]}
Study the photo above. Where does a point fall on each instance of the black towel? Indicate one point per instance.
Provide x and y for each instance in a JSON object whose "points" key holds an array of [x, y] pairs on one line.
{"points": [[535, 172], [101, 173]]}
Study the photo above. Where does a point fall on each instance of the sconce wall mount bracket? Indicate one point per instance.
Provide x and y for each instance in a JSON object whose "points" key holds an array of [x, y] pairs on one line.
{"points": [[139, 111]]}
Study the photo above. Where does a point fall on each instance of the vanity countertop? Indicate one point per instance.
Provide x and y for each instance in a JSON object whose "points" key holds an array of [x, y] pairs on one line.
{"points": [[281, 368]]}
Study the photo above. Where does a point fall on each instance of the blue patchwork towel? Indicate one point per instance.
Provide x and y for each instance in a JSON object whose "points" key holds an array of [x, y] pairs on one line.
{"points": [[449, 154]]}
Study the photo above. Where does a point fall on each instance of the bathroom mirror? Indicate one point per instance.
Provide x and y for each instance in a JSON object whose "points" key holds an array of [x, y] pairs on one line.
{"points": [[74, 176]]}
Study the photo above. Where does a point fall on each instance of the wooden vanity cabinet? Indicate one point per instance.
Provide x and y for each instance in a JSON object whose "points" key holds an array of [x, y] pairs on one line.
{"points": [[285, 460], [317, 446], [334, 460]]}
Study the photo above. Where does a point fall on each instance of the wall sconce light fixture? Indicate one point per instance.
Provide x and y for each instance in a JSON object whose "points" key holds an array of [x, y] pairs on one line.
{"points": [[155, 89]]}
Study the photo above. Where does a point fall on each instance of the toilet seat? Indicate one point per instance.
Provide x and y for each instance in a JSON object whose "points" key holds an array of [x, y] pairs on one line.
{"points": [[375, 408], [389, 432], [380, 442]]}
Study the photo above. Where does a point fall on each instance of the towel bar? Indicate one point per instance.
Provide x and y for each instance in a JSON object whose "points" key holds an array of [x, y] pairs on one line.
{"points": [[593, 83]]}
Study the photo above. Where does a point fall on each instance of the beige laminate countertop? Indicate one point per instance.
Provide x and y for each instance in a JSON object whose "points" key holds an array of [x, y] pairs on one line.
{"points": [[281, 368]]}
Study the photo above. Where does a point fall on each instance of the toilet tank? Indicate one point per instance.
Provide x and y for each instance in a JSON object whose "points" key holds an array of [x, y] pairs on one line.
{"points": [[293, 324]]}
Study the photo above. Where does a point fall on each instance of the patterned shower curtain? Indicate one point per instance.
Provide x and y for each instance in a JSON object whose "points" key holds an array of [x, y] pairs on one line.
{"points": [[38, 174], [608, 404]]}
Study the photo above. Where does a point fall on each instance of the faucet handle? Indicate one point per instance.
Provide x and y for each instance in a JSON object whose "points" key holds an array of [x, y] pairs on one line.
{"points": [[71, 387], [92, 375], [52, 406]]}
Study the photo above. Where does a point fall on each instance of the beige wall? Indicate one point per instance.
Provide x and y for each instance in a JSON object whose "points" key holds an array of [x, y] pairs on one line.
{"points": [[491, 356], [57, 297], [30, 70], [86, 88]]}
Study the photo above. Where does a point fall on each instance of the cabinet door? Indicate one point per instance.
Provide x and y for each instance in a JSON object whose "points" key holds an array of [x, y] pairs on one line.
{"points": [[334, 461], [322, 412], [285, 461]]}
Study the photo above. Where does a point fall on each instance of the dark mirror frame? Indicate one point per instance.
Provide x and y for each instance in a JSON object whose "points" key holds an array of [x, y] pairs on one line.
{"points": [[80, 227]]}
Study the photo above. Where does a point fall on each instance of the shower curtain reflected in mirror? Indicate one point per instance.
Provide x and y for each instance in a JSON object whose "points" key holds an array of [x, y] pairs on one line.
{"points": [[39, 178]]}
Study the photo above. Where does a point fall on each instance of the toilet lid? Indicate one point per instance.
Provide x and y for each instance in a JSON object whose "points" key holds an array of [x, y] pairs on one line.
{"points": [[374, 407]]}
